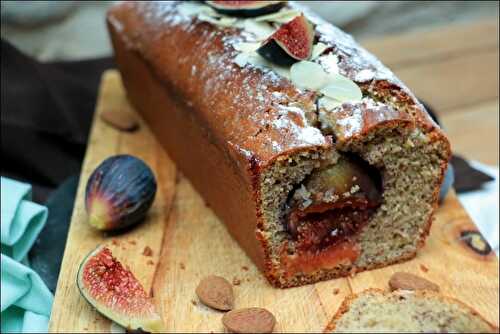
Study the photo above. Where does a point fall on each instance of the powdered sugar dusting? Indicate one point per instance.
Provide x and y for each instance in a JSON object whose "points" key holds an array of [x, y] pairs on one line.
{"points": [[292, 118], [277, 95], [312, 136], [356, 63], [364, 75], [350, 118], [163, 11], [259, 112], [329, 63], [116, 24], [246, 153], [352, 124]]}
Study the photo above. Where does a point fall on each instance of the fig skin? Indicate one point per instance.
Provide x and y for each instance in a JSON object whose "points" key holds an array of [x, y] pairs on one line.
{"points": [[291, 43], [119, 193], [114, 291], [246, 8]]}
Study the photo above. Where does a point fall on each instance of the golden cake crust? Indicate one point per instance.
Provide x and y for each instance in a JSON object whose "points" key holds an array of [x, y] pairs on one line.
{"points": [[246, 109], [212, 116]]}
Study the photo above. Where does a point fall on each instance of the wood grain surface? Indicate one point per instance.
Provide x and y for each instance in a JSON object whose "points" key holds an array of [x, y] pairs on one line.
{"points": [[189, 242]]}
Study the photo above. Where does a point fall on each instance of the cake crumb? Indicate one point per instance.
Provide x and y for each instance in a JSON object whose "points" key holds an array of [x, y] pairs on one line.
{"points": [[236, 281], [150, 262], [132, 242], [424, 268], [336, 291], [182, 266], [115, 242], [194, 302], [147, 251], [245, 268]]}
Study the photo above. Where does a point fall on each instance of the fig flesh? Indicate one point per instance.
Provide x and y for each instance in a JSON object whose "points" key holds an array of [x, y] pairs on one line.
{"points": [[292, 42], [115, 292], [119, 193], [348, 181], [333, 203], [244, 8]]}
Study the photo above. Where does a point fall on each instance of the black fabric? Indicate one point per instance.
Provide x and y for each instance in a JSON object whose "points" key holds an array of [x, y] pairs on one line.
{"points": [[467, 177], [46, 112], [47, 251]]}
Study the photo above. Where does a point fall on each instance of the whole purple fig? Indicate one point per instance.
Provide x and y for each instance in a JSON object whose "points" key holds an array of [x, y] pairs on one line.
{"points": [[119, 192]]}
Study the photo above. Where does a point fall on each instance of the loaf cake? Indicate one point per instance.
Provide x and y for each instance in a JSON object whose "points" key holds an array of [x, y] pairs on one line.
{"points": [[376, 311], [319, 168]]}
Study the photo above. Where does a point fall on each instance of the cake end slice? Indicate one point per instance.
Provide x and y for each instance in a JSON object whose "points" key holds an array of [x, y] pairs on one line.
{"points": [[376, 311]]}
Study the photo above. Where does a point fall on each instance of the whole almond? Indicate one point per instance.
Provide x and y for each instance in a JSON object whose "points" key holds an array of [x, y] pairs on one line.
{"points": [[216, 292], [249, 320], [120, 120], [407, 281]]}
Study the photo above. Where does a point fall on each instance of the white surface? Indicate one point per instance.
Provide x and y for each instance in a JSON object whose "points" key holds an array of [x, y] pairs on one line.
{"points": [[482, 206]]}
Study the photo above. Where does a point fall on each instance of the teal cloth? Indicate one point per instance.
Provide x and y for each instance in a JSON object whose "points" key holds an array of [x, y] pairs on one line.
{"points": [[25, 299]]}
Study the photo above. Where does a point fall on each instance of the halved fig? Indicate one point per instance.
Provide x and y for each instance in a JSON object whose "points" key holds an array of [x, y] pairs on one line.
{"points": [[246, 8], [115, 292], [292, 42]]}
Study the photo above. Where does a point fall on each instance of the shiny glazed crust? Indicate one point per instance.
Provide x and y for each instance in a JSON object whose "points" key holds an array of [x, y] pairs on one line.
{"points": [[215, 118]]}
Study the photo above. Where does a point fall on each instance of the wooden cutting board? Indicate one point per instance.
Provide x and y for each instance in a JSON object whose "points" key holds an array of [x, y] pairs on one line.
{"points": [[188, 242]]}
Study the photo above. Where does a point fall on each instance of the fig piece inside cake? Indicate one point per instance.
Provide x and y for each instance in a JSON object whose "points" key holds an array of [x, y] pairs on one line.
{"points": [[332, 203]]}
